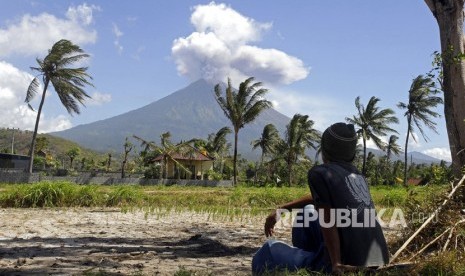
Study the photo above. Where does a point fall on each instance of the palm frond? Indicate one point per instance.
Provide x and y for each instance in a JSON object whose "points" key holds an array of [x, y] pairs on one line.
{"points": [[32, 91]]}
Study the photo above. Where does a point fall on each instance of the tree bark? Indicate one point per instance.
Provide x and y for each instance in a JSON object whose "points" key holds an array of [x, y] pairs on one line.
{"points": [[235, 157], [409, 122], [36, 127], [450, 17], [364, 170]]}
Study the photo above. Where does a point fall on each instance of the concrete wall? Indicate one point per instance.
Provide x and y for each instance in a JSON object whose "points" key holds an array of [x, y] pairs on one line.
{"points": [[12, 176]]}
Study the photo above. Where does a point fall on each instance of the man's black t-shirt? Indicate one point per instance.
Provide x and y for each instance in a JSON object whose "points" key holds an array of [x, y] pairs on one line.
{"points": [[341, 187]]}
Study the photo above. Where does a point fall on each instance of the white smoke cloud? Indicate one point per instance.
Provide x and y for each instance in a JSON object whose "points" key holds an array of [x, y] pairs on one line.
{"points": [[34, 35], [13, 111], [220, 47]]}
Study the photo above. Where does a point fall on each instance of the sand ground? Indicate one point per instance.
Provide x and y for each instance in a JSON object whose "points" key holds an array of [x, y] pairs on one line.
{"points": [[88, 241]]}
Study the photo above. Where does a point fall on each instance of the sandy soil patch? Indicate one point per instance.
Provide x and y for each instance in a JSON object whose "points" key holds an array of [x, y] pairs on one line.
{"points": [[87, 241]]}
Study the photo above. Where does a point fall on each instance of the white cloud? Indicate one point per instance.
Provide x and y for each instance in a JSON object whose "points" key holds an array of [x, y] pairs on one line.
{"points": [[439, 153], [13, 111], [99, 98], [323, 111], [34, 35], [82, 13], [414, 141], [118, 34], [221, 47]]}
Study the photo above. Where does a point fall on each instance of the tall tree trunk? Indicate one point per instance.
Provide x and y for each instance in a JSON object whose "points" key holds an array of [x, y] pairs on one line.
{"points": [[289, 169], [409, 123], [235, 158], [260, 170], [364, 170], [36, 127], [450, 17], [123, 166]]}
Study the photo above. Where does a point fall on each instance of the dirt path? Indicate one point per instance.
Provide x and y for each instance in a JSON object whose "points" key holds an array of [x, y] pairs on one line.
{"points": [[89, 241]]}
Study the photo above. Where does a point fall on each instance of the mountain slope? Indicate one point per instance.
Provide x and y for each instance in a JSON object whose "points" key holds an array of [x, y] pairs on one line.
{"points": [[414, 156], [191, 112]]}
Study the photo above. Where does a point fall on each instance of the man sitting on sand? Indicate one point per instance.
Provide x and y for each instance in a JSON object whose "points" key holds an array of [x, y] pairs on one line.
{"points": [[339, 231]]}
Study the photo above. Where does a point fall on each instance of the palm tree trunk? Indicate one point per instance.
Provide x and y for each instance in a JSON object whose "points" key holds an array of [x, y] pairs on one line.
{"points": [[364, 171], [36, 127], [409, 121], [221, 166], [235, 158], [261, 162], [165, 168], [289, 169]]}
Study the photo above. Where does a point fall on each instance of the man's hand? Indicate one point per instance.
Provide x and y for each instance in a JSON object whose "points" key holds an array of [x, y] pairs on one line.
{"points": [[270, 223]]}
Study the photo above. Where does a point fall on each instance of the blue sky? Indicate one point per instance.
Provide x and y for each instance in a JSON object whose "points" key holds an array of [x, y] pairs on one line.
{"points": [[316, 57]]}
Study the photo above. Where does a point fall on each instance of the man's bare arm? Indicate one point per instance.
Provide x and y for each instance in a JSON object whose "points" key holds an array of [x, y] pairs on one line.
{"points": [[296, 204], [333, 244]]}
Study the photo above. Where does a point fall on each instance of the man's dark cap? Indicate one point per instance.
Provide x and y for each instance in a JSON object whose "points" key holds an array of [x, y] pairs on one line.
{"points": [[338, 142]]}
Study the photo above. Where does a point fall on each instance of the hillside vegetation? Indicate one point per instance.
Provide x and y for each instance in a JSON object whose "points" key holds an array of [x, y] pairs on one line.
{"points": [[55, 146]]}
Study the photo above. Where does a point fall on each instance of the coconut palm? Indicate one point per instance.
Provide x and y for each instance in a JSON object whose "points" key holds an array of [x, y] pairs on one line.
{"points": [[73, 153], [421, 100], [217, 145], [392, 147], [241, 107], [128, 147], [267, 141], [68, 82], [300, 135], [373, 123]]}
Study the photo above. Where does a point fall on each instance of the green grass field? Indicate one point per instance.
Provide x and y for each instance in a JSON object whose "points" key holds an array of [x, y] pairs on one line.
{"points": [[201, 199]]}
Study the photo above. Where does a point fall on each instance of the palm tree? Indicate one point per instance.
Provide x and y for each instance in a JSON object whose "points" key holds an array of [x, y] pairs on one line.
{"points": [[241, 107], [300, 135], [373, 122], [68, 82], [267, 142], [73, 153], [421, 100], [392, 147], [217, 145], [128, 147]]}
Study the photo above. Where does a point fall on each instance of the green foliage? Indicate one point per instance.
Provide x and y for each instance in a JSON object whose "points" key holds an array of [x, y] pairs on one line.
{"points": [[373, 123], [445, 263], [393, 198], [439, 174], [88, 196], [125, 196], [44, 194], [213, 175]]}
